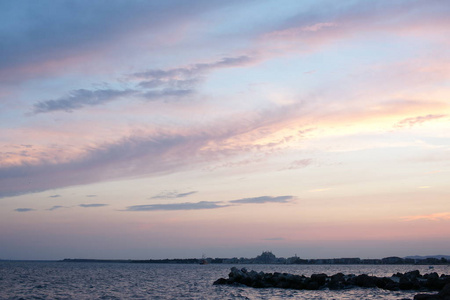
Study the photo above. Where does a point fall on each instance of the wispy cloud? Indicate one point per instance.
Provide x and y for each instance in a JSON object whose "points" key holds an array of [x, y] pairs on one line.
{"points": [[24, 209], [299, 164], [410, 122], [92, 205], [431, 217], [167, 93], [362, 18], [174, 150], [182, 81], [56, 207], [91, 196], [158, 153], [264, 199], [172, 194], [148, 154], [177, 206], [185, 74], [54, 196], [80, 98], [155, 85], [205, 204]]}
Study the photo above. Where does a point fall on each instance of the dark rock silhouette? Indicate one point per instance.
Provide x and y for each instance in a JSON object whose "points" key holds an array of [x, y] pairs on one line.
{"points": [[444, 294], [408, 281]]}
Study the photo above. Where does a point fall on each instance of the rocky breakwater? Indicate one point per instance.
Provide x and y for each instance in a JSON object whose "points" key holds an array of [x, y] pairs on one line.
{"points": [[408, 281]]}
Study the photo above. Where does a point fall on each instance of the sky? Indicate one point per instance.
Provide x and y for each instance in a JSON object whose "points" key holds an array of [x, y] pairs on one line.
{"points": [[172, 129]]}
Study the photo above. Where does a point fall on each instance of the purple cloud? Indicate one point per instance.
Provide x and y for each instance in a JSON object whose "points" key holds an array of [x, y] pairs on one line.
{"points": [[105, 162], [144, 155]]}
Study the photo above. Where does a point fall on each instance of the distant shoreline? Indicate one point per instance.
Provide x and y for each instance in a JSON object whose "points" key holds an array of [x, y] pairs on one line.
{"points": [[266, 257], [269, 258]]}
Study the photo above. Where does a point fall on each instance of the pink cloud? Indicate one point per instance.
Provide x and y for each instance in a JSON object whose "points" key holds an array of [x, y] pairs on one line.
{"points": [[410, 122], [143, 153], [431, 217], [305, 33]]}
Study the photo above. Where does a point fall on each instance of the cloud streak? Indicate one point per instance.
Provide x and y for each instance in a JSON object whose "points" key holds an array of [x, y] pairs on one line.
{"points": [[92, 205], [299, 164], [145, 154], [177, 206], [263, 199], [410, 122], [431, 217], [182, 81], [158, 84], [175, 75], [173, 195], [206, 204], [80, 98], [23, 209], [56, 207]]}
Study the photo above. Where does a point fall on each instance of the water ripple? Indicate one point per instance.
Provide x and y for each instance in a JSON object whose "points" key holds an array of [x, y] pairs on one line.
{"points": [[58, 280]]}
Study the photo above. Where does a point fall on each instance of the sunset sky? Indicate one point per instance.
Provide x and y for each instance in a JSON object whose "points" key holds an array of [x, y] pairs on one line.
{"points": [[169, 129]]}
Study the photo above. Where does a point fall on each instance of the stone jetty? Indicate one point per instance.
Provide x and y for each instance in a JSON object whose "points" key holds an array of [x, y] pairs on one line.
{"points": [[401, 281]]}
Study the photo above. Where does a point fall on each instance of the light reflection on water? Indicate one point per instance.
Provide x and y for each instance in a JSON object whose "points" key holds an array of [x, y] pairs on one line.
{"points": [[57, 280]]}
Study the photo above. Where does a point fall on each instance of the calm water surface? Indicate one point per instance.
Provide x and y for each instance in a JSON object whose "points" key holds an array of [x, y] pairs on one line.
{"points": [[58, 280]]}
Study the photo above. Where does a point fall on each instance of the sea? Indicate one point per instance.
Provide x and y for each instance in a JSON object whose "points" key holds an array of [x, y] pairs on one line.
{"points": [[93, 280]]}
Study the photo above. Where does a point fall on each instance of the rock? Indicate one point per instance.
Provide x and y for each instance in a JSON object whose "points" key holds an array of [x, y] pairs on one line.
{"points": [[337, 282], [365, 280], [220, 281], [433, 282], [311, 285], [392, 286], [412, 274], [319, 278], [384, 283], [408, 281], [433, 275], [445, 292]]}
